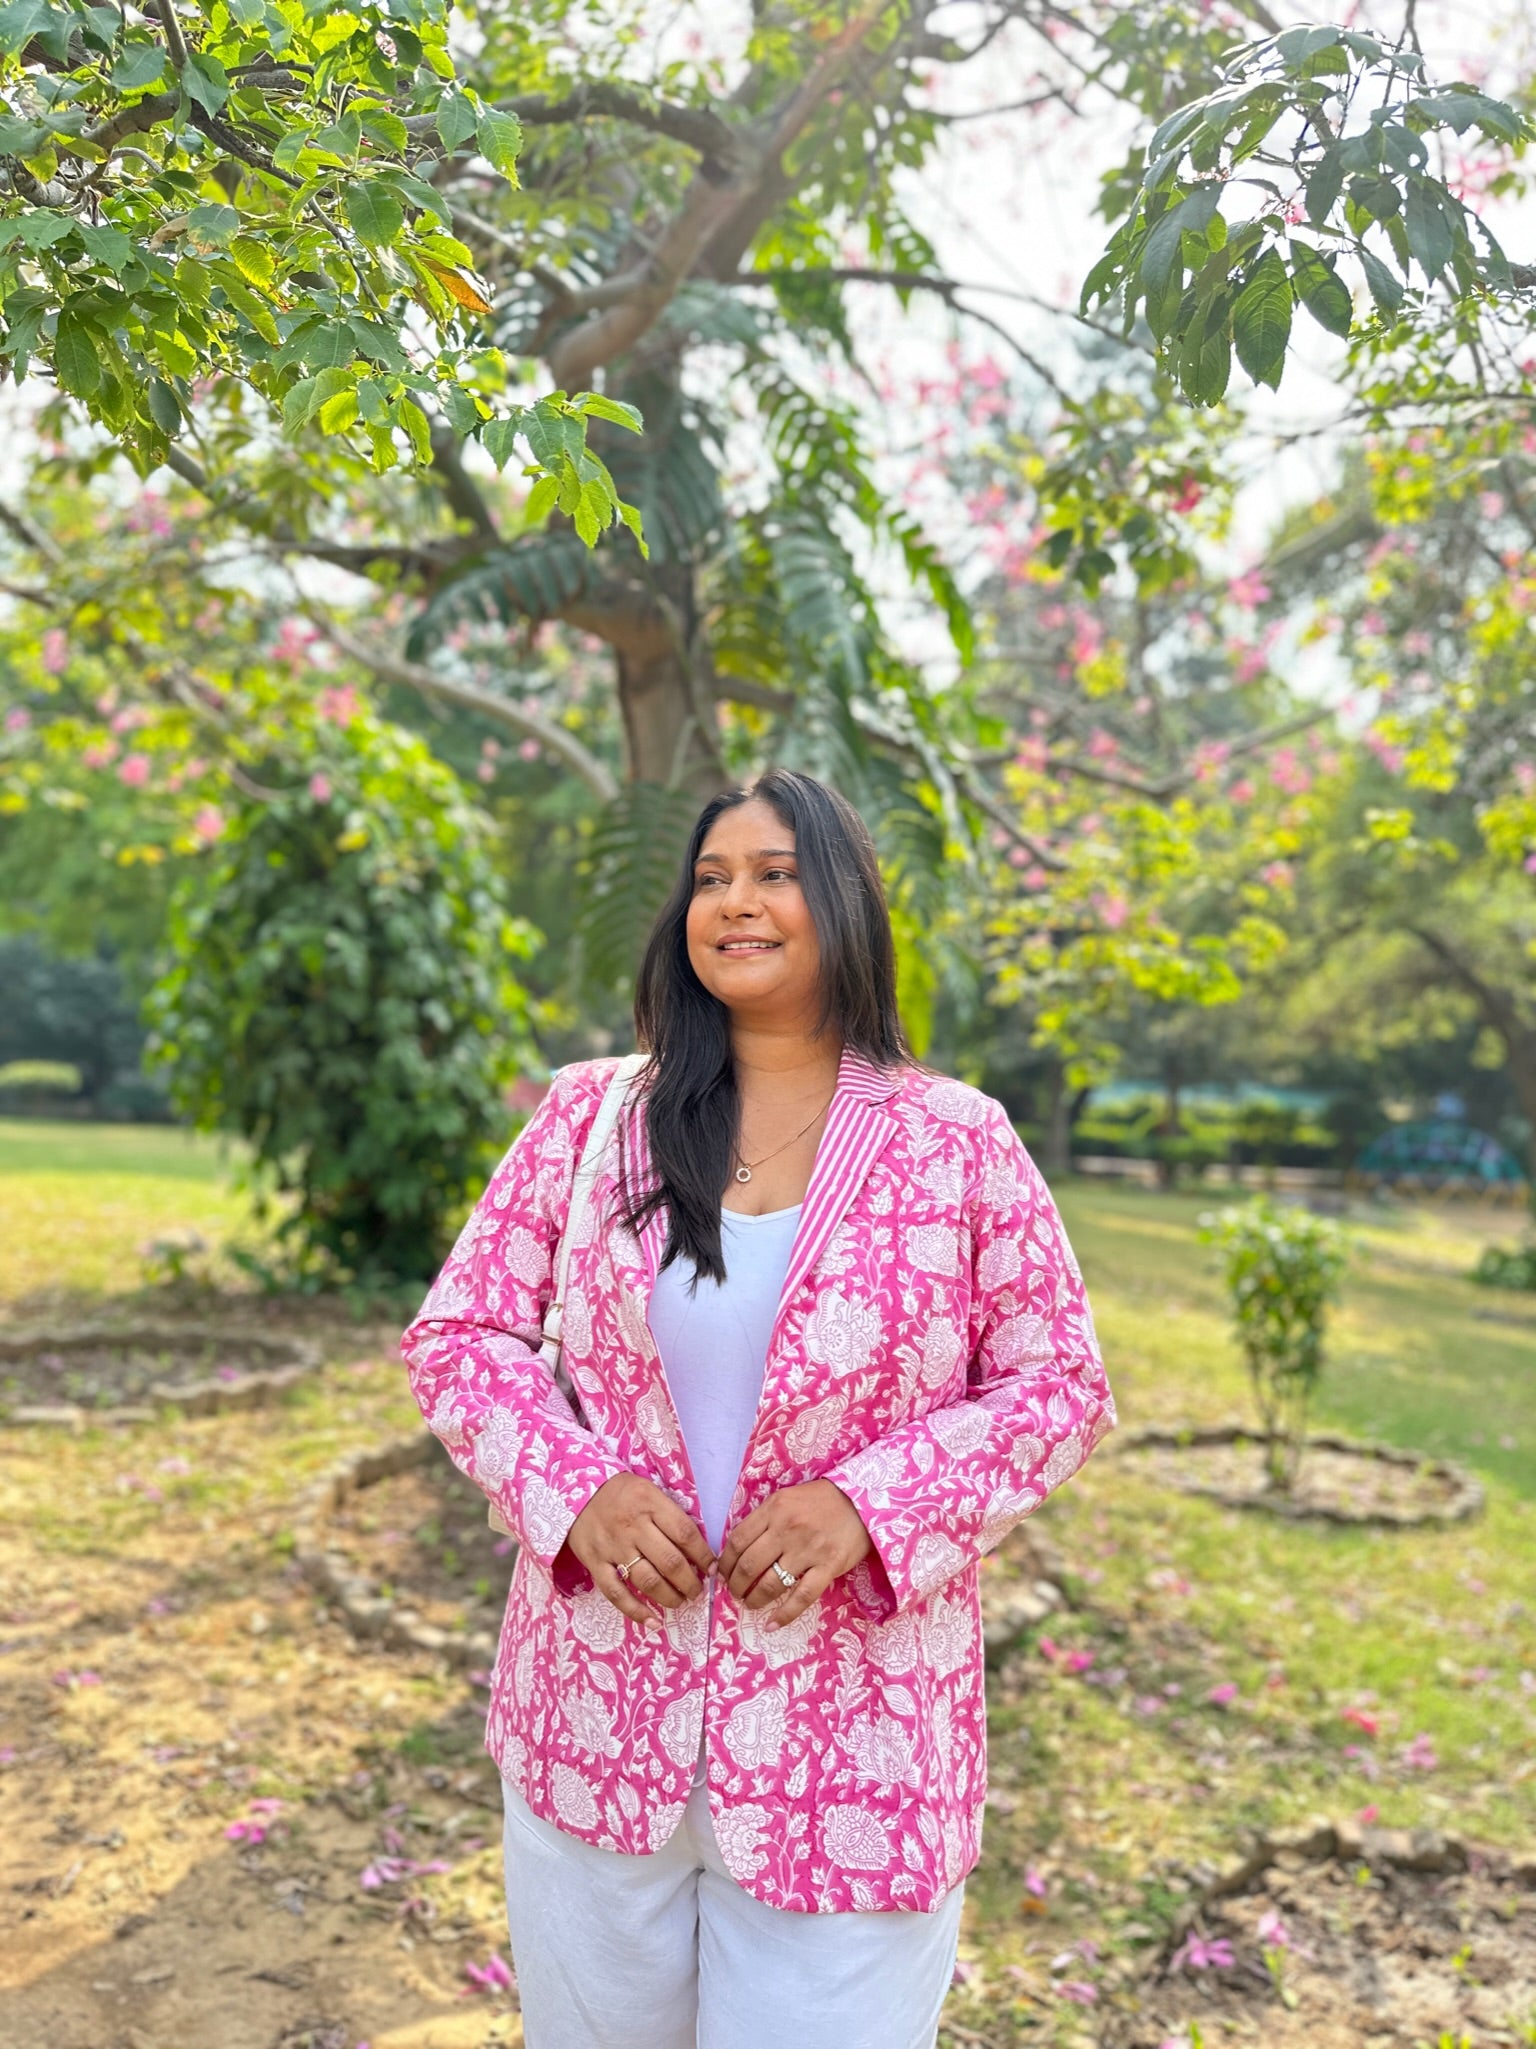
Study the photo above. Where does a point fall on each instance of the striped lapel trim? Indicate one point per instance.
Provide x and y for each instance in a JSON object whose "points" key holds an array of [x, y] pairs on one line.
{"points": [[858, 1126]]}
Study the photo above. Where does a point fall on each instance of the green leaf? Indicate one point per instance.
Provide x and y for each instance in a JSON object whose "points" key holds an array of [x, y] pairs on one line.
{"points": [[138, 65], [253, 260], [292, 147], [342, 138], [1261, 320], [1298, 46], [41, 228], [20, 138], [376, 215], [541, 499], [206, 81], [386, 129], [1320, 289], [1386, 287], [164, 406], [1205, 355], [1192, 215], [214, 224], [1430, 234], [308, 395], [23, 19], [338, 412], [414, 421], [1324, 186], [1461, 107], [499, 440], [456, 120], [596, 406], [75, 360], [107, 245], [500, 137]]}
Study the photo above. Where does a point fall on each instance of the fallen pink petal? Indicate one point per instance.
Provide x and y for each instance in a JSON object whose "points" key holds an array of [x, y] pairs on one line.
{"points": [[1224, 1694], [495, 1975], [1079, 1992]]}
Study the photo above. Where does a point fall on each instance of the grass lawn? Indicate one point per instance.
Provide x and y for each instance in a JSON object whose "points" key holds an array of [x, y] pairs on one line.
{"points": [[1112, 1786], [79, 1201]]}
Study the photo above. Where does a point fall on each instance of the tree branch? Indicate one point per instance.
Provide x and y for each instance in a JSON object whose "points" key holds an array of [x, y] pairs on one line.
{"points": [[530, 725], [459, 487]]}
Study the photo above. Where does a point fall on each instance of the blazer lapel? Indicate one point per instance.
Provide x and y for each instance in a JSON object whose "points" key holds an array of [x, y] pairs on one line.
{"points": [[859, 1127]]}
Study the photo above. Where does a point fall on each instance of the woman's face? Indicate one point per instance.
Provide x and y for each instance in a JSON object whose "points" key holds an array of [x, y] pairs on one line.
{"points": [[751, 939]]}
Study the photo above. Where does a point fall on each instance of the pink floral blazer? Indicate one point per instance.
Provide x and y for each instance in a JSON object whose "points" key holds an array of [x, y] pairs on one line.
{"points": [[934, 1356]]}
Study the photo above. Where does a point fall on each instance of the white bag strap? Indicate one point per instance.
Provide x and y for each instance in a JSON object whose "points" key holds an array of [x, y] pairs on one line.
{"points": [[581, 1190], [581, 1195]]}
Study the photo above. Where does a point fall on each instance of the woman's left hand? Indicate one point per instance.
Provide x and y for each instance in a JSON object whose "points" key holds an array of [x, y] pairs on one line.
{"points": [[812, 1531]]}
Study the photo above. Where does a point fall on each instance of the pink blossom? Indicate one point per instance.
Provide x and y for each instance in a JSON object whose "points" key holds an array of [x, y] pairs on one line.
{"points": [[1490, 504], [266, 1805], [1249, 590], [1147, 1704], [1419, 1755], [252, 1832], [1272, 1931], [99, 754], [1030, 755], [390, 1870], [1367, 1815], [71, 1681], [1079, 1992], [17, 721], [134, 770], [1278, 874], [339, 705], [1242, 791], [320, 788], [208, 825], [1224, 1694], [1201, 1953], [1034, 1882], [480, 1676], [1190, 492], [494, 1976], [1362, 1718], [1078, 1661], [1113, 911], [55, 651], [529, 750]]}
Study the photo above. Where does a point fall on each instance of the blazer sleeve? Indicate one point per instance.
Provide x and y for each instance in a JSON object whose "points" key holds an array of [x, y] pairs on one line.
{"points": [[473, 1354], [940, 1490]]}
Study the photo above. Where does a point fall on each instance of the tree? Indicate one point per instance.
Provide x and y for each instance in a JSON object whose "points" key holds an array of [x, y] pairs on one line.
{"points": [[239, 203]]}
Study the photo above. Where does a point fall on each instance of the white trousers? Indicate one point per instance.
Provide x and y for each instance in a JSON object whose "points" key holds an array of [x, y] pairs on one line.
{"points": [[669, 1952]]}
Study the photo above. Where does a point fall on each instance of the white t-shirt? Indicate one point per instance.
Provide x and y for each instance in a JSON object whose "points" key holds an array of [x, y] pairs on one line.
{"points": [[714, 1346]]}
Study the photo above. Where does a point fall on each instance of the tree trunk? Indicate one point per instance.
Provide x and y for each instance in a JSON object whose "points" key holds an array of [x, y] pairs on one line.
{"points": [[665, 736], [1056, 1137]]}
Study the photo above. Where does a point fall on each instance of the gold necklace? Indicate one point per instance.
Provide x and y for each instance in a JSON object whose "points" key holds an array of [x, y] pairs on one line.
{"points": [[744, 1172]]}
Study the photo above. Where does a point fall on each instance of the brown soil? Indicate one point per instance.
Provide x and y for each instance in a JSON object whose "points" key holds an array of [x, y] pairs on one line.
{"points": [[109, 1374], [421, 1538], [1330, 1481], [1376, 1959]]}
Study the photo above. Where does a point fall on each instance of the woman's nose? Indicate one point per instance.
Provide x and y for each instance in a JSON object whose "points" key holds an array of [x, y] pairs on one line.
{"points": [[741, 896]]}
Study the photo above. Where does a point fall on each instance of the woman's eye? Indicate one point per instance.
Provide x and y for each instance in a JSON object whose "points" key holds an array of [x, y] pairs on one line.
{"points": [[779, 875]]}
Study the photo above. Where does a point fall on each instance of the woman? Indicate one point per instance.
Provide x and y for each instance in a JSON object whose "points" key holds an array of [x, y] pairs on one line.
{"points": [[827, 1345]]}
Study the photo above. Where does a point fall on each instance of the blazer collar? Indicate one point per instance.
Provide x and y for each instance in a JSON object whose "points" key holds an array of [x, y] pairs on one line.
{"points": [[857, 1128]]}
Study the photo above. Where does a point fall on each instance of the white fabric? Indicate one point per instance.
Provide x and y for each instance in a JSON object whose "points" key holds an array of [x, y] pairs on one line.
{"points": [[669, 1952], [713, 1341]]}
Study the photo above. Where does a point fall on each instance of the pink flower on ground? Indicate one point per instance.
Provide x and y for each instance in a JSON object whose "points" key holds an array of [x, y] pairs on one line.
{"points": [[74, 1680], [1202, 1953], [1034, 1882], [1361, 1718], [252, 1832], [495, 1975], [480, 1677], [1078, 1661], [1079, 1992], [134, 771], [1367, 1815], [266, 1805], [1147, 1704], [320, 788], [1272, 1931], [1419, 1755], [1224, 1694]]}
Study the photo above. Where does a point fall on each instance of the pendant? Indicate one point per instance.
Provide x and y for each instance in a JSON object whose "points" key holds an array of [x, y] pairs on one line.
{"points": [[743, 1173]]}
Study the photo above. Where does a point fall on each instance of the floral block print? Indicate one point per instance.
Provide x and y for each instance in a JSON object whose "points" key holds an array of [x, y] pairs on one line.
{"points": [[933, 1356]]}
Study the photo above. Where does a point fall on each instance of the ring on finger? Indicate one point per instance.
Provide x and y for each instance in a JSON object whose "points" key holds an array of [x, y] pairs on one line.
{"points": [[625, 1570], [786, 1579]]}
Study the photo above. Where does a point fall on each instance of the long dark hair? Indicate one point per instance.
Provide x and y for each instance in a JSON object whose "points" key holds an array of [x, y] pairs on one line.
{"points": [[691, 1102]]}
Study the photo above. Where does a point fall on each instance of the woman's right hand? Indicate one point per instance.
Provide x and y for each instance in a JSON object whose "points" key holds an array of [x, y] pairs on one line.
{"points": [[630, 1522]]}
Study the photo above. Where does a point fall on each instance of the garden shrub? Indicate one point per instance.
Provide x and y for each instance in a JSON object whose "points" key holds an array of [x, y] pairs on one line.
{"points": [[338, 993], [1282, 1267], [1506, 1266]]}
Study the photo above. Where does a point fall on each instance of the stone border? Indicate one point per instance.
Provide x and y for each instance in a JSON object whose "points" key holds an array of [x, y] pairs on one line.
{"points": [[297, 1358], [1428, 1851], [1007, 1611], [365, 1612], [1467, 1500]]}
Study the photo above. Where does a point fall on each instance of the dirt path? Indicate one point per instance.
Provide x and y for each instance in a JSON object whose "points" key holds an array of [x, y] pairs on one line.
{"points": [[167, 1675]]}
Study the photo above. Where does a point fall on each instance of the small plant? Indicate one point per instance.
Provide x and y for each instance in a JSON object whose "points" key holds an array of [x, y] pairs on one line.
{"points": [[1282, 1268], [1506, 1266], [176, 1259]]}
